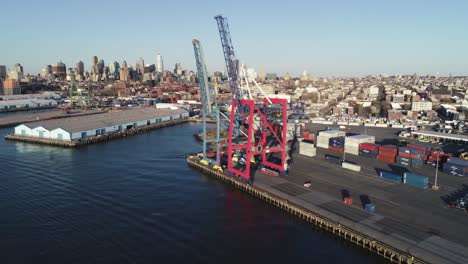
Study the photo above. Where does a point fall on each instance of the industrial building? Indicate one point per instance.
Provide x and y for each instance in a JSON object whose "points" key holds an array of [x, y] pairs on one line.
{"points": [[8, 105], [83, 127]]}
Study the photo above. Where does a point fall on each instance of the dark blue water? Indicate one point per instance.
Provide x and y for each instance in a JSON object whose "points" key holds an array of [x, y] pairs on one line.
{"points": [[135, 200]]}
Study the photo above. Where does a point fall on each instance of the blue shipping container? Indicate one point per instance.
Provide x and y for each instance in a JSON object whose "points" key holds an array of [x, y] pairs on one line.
{"points": [[416, 180], [457, 161], [455, 170], [416, 163], [404, 159], [370, 207], [391, 176]]}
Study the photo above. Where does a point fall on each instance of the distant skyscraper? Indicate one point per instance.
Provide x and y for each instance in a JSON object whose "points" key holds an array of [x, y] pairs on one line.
{"points": [[19, 68], [140, 67], [3, 72], [159, 63], [100, 67], [114, 70], [59, 70], [178, 69], [94, 68], [124, 72], [80, 69]]}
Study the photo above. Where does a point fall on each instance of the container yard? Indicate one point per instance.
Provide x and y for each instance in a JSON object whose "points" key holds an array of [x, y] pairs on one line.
{"points": [[84, 130], [390, 185]]}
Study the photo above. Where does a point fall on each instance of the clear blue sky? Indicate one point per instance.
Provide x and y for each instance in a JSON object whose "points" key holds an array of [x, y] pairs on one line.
{"points": [[339, 38]]}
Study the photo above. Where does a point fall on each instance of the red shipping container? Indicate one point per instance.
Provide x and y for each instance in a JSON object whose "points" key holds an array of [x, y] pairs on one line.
{"points": [[369, 146], [387, 159], [435, 152], [420, 149], [387, 155], [305, 134], [388, 149], [337, 149], [405, 155], [348, 200]]}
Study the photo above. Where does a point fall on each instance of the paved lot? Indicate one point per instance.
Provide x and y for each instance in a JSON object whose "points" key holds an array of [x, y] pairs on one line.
{"points": [[12, 119], [407, 217]]}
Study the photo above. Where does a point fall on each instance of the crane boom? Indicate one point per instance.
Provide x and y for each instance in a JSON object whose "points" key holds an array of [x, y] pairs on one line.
{"points": [[207, 96], [232, 64]]}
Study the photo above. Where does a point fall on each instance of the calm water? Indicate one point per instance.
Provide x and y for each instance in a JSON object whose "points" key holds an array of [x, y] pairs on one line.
{"points": [[135, 200]]}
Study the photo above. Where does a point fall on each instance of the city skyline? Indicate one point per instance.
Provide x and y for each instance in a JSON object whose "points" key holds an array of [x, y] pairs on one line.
{"points": [[326, 39]]}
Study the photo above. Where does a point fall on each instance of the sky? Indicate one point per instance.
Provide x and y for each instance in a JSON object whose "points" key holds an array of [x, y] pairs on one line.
{"points": [[325, 38]]}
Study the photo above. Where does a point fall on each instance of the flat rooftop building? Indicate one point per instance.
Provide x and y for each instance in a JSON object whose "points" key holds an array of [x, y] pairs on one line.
{"points": [[76, 128]]}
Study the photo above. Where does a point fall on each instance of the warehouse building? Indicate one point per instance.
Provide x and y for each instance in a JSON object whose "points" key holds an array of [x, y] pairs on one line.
{"points": [[77, 128], [26, 104]]}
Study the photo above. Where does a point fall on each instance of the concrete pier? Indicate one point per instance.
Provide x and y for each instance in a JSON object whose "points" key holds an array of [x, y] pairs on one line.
{"points": [[347, 222]]}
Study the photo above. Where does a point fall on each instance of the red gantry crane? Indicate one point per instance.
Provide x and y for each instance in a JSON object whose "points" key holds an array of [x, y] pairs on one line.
{"points": [[257, 130]]}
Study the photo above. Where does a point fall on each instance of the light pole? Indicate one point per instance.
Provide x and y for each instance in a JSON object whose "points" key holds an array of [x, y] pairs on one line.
{"points": [[435, 187]]}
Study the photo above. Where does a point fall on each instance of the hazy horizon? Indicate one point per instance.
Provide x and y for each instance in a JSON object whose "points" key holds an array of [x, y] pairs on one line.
{"points": [[336, 38]]}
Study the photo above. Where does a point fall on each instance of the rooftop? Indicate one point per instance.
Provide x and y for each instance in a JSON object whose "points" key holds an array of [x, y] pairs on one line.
{"points": [[114, 118], [441, 135]]}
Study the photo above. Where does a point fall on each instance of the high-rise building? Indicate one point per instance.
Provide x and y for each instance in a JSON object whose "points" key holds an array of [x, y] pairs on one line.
{"points": [[178, 69], [15, 75], [80, 69], [11, 87], [124, 72], [140, 67], [19, 68], [159, 63], [114, 70], [59, 70], [3, 72], [94, 68], [100, 67]]}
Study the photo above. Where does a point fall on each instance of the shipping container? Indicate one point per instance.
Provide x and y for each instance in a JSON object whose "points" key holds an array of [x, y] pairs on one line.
{"points": [[370, 207], [457, 161], [424, 145], [391, 176], [388, 149], [416, 180], [350, 166], [369, 146], [368, 154], [336, 142], [403, 161], [388, 159], [455, 170], [420, 149], [332, 133], [307, 149], [337, 149], [322, 142]]}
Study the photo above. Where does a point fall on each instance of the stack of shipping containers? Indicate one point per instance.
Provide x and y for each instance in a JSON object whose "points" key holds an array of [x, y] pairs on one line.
{"points": [[439, 156], [456, 167], [307, 145], [336, 144], [352, 143], [411, 156], [323, 139], [368, 150], [387, 153]]}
